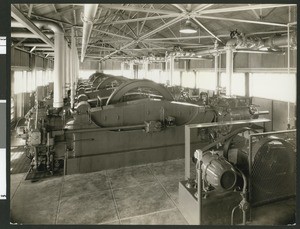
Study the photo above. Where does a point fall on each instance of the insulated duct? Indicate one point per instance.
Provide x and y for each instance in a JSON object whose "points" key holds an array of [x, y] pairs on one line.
{"points": [[240, 41], [59, 43], [88, 18]]}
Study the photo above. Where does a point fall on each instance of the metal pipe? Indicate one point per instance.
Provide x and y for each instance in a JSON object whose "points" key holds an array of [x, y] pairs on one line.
{"points": [[20, 17], [244, 193], [277, 41], [274, 132], [88, 18], [105, 129], [187, 152], [58, 70], [232, 213], [199, 189], [58, 59]]}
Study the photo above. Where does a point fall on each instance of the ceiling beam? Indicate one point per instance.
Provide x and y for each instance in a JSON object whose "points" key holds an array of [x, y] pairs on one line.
{"points": [[171, 22], [165, 23], [202, 7], [36, 44], [30, 10], [64, 10], [182, 9], [242, 20], [112, 34], [138, 19], [241, 8], [255, 13], [50, 19], [20, 42], [43, 48], [138, 9], [201, 25], [207, 30], [30, 35], [20, 17]]}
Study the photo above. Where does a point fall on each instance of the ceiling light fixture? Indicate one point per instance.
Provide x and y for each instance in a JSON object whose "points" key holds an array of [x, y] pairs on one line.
{"points": [[188, 28], [137, 47]]}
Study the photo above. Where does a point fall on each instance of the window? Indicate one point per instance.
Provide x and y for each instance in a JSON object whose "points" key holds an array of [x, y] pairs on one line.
{"points": [[85, 74], [206, 80], [113, 72], [155, 76], [20, 82], [176, 78], [164, 77], [276, 86], [188, 79], [237, 83]]}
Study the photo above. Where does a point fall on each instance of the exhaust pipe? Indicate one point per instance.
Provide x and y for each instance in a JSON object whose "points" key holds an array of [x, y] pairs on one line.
{"points": [[88, 18]]}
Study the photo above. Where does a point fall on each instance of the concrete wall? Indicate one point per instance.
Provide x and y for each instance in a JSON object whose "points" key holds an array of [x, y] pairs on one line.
{"points": [[21, 60]]}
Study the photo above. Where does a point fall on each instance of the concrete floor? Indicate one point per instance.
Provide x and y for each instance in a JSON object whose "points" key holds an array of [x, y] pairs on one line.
{"points": [[146, 194]]}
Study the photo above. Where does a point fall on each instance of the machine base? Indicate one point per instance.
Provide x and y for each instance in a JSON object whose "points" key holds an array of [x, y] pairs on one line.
{"points": [[114, 160], [216, 207]]}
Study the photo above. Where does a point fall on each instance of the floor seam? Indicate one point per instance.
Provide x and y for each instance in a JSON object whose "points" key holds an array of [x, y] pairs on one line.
{"points": [[131, 186], [17, 187], [177, 207], [150, 213], [168, 194], [113, 195], [59, 199]]}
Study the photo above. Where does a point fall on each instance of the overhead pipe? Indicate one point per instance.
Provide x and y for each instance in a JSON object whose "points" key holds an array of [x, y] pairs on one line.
{"points": [[242, 43], [58, 59], [251, 42], [88, 18], [283, 40]]}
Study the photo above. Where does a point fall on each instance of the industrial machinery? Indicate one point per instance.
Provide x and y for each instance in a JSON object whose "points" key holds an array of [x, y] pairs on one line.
{"points": [[243, 177], [122, 122]]}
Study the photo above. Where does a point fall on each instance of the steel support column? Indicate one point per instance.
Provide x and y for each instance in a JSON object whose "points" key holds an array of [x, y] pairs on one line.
{"points": [[171, 69], [247, 84], [122, 68], [72, 67], [131, 68], [20, 17], [217, 73], [229, 69], [146, 68]]}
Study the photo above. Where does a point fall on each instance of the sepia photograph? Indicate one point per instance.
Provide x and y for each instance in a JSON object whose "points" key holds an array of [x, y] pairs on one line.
{"points": [[153, 114]]}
